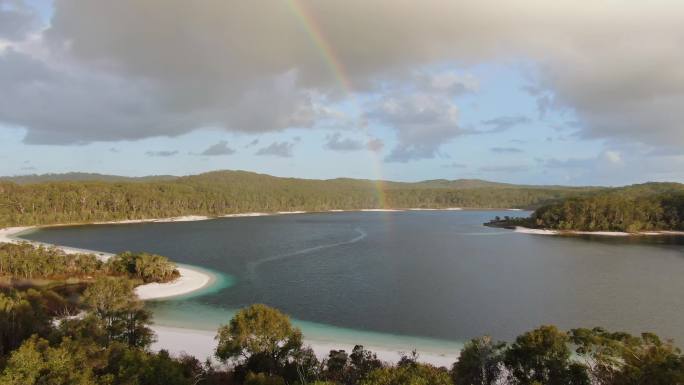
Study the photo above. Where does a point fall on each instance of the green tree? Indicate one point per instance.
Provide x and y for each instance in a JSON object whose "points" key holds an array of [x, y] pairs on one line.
{"points": [[126, 365], [260, 337], [24, 313], [144, 266], [412, 374], [622, 359], [542, 356], [480, 362], [37, 363], [114, 304], [263, 379]]}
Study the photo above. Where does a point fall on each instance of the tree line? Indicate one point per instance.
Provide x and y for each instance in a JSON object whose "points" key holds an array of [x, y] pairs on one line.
{"points": [[647, 207], [27, 261], [108, 343], [228, 192]]}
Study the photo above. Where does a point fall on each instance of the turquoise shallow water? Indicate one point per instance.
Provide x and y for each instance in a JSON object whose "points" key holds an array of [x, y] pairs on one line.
{"points": [[429, 280], [182, 312]]}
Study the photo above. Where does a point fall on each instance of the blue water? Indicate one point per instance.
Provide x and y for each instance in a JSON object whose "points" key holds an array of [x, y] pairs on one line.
{"points": [[424, 279]]}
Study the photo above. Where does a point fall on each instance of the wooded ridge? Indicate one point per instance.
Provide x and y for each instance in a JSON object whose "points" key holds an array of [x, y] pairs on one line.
{"points": [[228, 192]]}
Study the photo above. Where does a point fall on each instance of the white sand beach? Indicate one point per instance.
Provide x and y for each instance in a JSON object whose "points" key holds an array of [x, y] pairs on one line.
{"points": [[201, 344], [190, 279], [185, 218], [244, 215], [526, 230], [380, 210]]}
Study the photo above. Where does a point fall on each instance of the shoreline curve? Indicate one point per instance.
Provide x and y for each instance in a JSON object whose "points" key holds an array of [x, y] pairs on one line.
{"points": [[190, 279], [527, 230]]}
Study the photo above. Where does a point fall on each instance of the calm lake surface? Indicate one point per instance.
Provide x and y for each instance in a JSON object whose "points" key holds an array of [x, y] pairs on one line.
{"points": [[421, 278]]}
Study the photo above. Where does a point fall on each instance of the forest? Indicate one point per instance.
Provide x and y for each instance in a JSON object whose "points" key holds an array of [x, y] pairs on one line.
{"points": [[109, 343], [25, 261], [228, 192], [638, 208]]}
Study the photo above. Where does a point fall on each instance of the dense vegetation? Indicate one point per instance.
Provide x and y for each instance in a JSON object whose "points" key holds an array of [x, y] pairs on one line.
{"points": [[109, 344], [226, 192], [27, 261], [647, 207]]}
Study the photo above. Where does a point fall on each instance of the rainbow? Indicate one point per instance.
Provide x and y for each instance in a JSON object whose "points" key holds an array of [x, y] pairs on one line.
{"points": [[315, 32]]}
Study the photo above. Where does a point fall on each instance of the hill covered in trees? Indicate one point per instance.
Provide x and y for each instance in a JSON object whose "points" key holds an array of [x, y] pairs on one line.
{"points": [[637, 208], [227, 192]]}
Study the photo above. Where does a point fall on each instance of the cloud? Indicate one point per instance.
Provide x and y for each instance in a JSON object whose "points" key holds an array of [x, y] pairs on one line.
{"points": [[449, 82], [281, 149], [162, 153], [506, 150], [617, 166], [422, 122], [506, 168], [455, 165], [422, 113], [504, 123], [335, 142], [607, 158], [16, 19], [220, 148], [375, 144], [252, 143], [161, 68]]}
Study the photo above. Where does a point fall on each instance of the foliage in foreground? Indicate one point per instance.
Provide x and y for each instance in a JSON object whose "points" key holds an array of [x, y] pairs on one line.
{"points": [[109, 344], [266, 349]]}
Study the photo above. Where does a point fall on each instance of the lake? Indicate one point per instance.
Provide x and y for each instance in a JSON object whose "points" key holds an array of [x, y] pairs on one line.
{"points": [[428, 279]]}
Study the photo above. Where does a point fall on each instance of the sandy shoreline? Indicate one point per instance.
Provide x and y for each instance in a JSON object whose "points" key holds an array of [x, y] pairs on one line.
{"points": [[189, 281], [201, 344], [527, 230]]}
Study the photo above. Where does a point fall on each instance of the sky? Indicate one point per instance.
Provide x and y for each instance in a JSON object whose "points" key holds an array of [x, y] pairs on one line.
{"points": [[562, 92]]}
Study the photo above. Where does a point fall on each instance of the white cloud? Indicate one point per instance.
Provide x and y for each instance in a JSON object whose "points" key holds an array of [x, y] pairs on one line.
{"points": [[162, 67]]}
